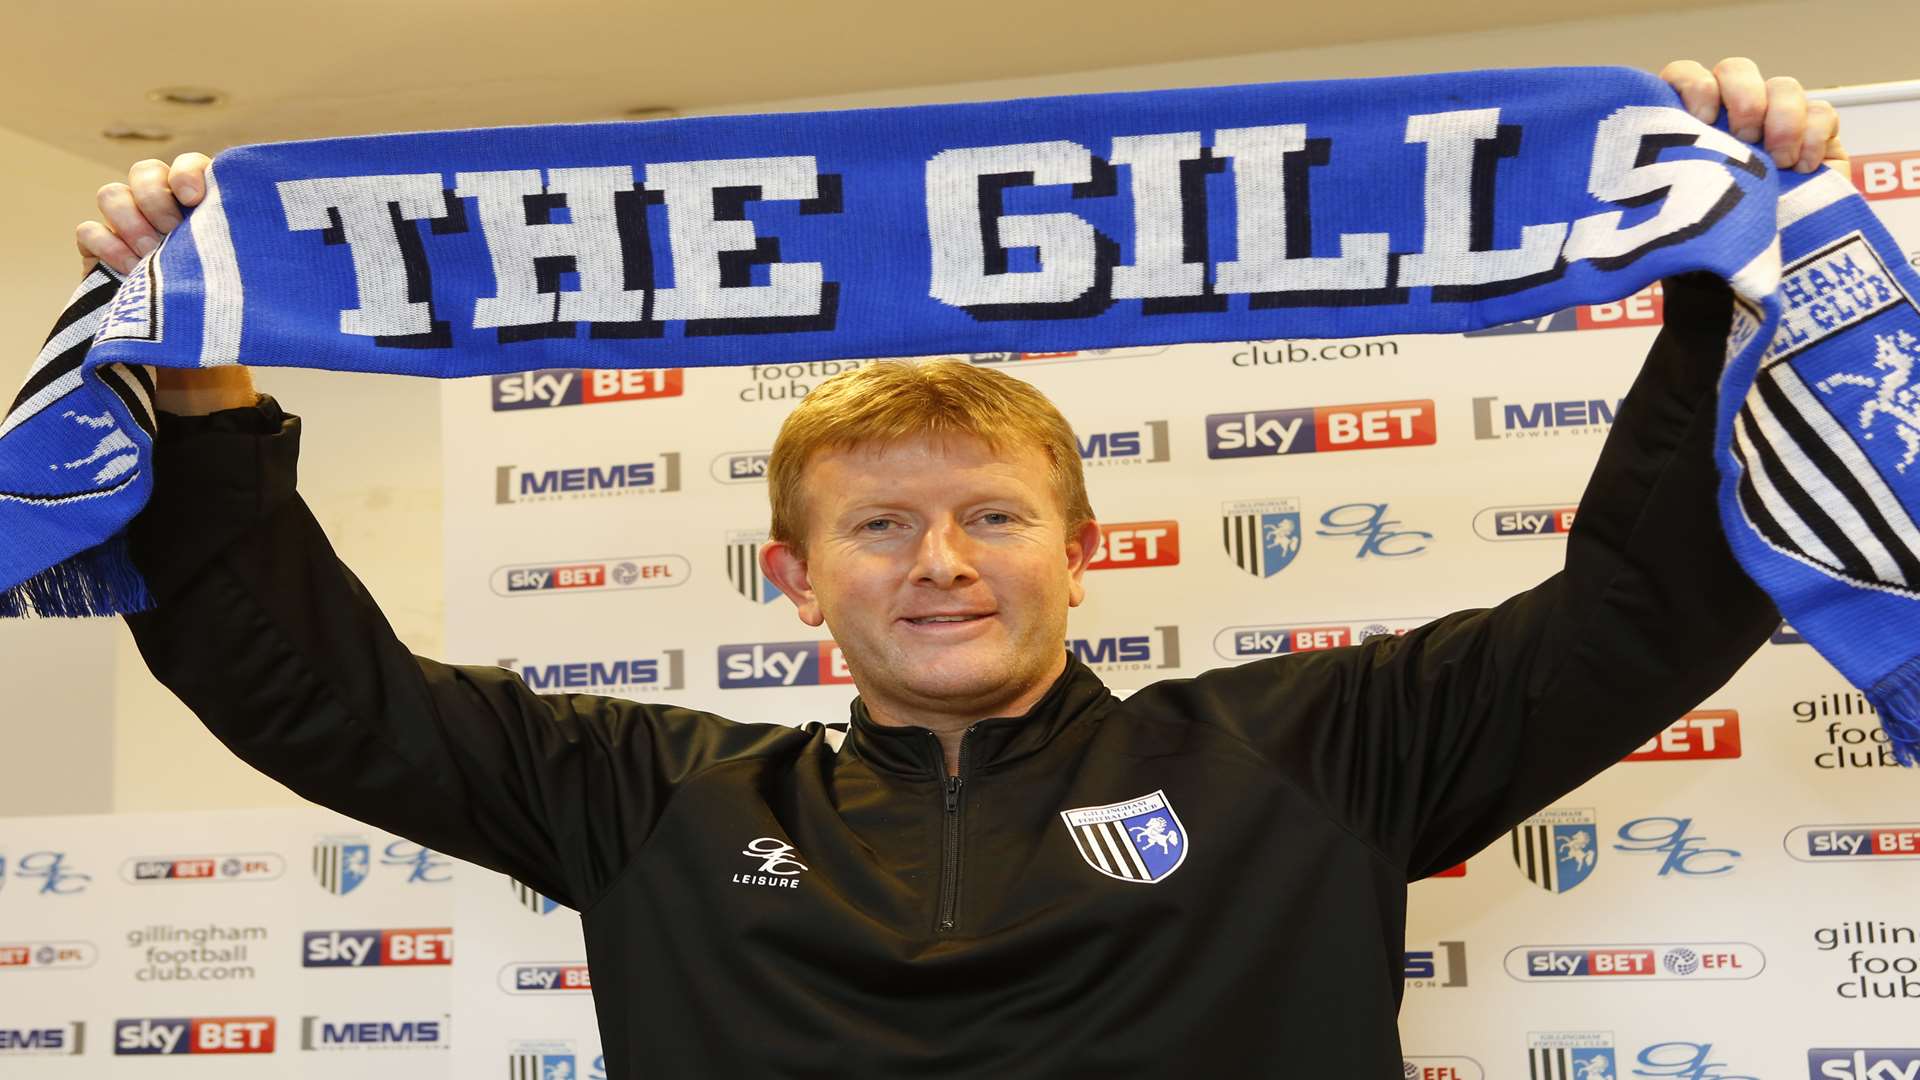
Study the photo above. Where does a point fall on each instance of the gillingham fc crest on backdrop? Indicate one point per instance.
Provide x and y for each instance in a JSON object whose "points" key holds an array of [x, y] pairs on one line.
{"points": [[340, 864], [1557, 849], [1139, 840], [1262, 536]]}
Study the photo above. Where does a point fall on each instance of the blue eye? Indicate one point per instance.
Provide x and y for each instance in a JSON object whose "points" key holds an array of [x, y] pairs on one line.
{"points": [[882, 522]]}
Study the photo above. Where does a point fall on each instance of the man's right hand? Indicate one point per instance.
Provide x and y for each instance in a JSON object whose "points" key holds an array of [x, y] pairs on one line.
{"points": [[134, 216]]}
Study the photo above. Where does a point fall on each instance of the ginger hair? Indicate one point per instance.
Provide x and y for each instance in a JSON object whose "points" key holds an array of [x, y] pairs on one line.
{"points": [[887, 401]]}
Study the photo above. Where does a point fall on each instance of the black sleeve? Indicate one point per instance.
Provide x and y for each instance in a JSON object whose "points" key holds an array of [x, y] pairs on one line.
{"points": [[1432, 744], [279, 650]]}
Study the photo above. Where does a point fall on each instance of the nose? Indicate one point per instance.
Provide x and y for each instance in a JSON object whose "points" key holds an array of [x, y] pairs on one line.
{"points": [[944, 558]]}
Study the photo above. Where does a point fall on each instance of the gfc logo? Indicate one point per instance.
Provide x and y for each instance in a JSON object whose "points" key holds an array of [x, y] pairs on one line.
{"points": [[1379, 535], [1683, 853], [51, 872]]}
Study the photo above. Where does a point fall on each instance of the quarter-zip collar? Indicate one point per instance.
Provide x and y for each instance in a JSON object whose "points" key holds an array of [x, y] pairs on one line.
{"points": [[912, 752]]}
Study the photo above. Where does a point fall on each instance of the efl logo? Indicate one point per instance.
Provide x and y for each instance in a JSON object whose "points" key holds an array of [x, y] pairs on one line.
{"points": [[628, 675], [552, 978], [1534, 419], [1854, 843], [1439, 966], [1131, 652], [57, 1039], [572, 386], [1500, 523], [323, 1033], [209, 1035], [1126, 545], [180, 869], [1888, 176], [1696, 962], [741, 466], [37, 955], [1699, 735], [782, 663], [606, 575], [1144, 445], [1253, 642], [1373, 426], [513, 484], [1644, 308], [1441, 1068], [376, 948], [1852, 1064]]}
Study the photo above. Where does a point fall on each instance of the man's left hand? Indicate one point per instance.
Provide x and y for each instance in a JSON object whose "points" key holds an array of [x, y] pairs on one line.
{"points": [[1799, 134]]}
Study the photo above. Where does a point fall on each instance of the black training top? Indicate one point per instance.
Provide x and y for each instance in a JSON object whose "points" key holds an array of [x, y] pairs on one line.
{"points": [[1208, 878]]}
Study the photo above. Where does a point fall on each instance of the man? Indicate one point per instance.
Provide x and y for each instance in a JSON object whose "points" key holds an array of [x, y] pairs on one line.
{"points": [[1001, 867]]}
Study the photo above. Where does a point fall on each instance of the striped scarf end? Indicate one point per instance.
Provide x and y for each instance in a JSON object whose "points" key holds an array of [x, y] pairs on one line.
{"points": [[1898, 698], [101, 580]]}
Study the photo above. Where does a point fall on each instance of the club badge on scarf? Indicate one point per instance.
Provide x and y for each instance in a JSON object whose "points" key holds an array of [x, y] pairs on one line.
{"points": [[1436, 203]]}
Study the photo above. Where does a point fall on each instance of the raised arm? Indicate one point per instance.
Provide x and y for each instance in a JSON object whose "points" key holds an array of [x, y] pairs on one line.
{"points": [[283, 655]]}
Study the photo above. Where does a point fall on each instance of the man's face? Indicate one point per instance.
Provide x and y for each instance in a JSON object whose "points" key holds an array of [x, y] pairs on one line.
{"points": [[942, 568]]}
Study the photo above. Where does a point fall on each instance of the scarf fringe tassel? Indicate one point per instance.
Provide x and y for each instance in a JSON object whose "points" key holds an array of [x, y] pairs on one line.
{"points": [[1898, 698], [101, 580]]}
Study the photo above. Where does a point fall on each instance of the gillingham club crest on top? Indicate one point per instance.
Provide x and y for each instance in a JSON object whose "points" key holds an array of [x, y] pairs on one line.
{"points": [[1557, 849], [1139, 840], [1261, 536]]}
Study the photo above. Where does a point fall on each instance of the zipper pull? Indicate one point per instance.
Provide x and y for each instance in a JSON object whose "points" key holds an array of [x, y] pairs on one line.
{"points": [[953, 794]]}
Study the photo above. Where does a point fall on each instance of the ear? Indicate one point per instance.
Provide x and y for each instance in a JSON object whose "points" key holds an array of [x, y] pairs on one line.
{"points": [[787, 569], [1081, 548]]}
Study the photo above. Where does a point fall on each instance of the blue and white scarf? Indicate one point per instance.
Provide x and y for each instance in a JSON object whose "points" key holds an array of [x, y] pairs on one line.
{"points": [[1428, 204]]}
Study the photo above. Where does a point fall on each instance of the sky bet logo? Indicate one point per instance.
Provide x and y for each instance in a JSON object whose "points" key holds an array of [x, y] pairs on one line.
{"points": [[1132, 652], [61, 1039], [177, 869], [1699, 735], [1850, 1064], [741, 466], [28, 955], [568, 978], [1374, 426], [602, 575], [782, 663], [1854, 843], [1126, 545], [1144, 445], [571, 386], [1888, 176], [1644, 308], [625, 675], [1252, 642], [211, 1035], [1549, 522], [1695, 962], [376, 948], [512, 484]]}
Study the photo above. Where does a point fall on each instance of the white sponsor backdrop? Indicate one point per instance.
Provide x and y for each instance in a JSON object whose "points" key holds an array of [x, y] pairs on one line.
{"points": [[1734, 943], [222, 944], [1726, 949]]}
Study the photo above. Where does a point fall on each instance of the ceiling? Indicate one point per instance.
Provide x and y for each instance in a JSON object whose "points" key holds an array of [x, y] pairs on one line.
{"points": [[310, 69]]}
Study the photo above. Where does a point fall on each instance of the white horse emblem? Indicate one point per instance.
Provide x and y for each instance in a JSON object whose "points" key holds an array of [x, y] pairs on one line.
{"points": [[1280, 534], [1895, 354], [1140, 840], [1574, 849], [1155, 834]]}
